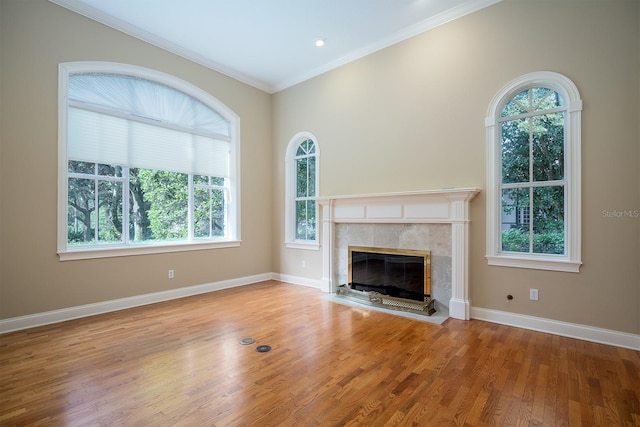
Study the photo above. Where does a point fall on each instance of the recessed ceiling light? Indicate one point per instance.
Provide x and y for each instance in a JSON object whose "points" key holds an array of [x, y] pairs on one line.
{"points": [[320, 42]]}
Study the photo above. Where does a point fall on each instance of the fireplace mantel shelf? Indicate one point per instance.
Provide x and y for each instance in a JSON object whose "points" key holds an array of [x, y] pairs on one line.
{"points": [[447, 205], [452, 191]]}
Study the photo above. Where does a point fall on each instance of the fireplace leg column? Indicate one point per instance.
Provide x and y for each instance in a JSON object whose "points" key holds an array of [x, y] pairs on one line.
{"points": [[459, 305], [326, 283]]}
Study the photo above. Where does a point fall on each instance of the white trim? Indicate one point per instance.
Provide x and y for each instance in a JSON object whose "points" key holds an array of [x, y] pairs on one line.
{"points": [[298, 280], [328, 242], [556, 327], [571, 330], [534, 262], [315, 246], [46, 318], [81, 253], [233, 206], [571, 261]]}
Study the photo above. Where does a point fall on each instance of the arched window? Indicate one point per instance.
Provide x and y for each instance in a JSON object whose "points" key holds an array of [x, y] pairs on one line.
{"points": [[533, 174], [301, 192], [147, 163]]}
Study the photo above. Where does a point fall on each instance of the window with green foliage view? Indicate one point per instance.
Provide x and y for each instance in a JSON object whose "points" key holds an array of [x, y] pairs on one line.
{"points": [[159, 206], [533, 185], [305, 163], [148, 163]]}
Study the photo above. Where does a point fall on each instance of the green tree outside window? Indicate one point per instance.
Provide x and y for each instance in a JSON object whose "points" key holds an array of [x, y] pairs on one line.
{"points": [[533, 167]]}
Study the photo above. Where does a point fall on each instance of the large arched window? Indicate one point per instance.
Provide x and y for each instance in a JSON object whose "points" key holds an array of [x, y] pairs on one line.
{"points": [[301, 192], [533, 174], [147, 163]]}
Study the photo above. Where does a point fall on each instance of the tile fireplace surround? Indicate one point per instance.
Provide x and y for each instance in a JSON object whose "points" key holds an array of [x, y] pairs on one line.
{"points": [[409, 220]]}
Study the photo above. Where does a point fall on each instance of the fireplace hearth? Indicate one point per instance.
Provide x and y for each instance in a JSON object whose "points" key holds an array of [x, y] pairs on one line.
{"points": [[377, 299]]}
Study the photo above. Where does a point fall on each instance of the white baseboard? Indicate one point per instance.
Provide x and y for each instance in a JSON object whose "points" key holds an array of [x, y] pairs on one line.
{"points": [[565, 329], [40, 319], [572, 330], [297, 280]]}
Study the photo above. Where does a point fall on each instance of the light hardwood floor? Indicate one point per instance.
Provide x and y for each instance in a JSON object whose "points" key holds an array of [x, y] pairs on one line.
{"points": [[181, 363]]}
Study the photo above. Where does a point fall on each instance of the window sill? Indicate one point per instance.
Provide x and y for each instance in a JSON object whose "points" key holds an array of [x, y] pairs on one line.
{"points": [[118, 251], [309, 246], [535, 262]]}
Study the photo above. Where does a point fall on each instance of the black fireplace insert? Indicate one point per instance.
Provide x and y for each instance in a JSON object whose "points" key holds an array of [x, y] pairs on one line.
{"points": [[400, 273]]}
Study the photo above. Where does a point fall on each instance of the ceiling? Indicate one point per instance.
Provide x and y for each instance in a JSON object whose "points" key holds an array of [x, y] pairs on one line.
{"points": [[270, 44]]}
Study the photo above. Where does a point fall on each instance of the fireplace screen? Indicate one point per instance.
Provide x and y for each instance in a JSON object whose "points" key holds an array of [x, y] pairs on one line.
{"points": [[400, 273]]}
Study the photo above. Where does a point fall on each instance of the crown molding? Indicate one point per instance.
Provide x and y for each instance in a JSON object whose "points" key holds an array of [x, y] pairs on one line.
{"points": [[442, 18], [162, 43], [452, 14]]}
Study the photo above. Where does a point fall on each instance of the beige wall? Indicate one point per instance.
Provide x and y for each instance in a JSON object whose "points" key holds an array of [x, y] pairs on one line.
{"points": [[411, 117], [35, 36], [408, 117]]}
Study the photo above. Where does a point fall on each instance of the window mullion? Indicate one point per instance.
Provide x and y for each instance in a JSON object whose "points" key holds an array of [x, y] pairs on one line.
{"points": [[308, 174], [125, 205], [555, 183], [531, 211], [306, 203], [227, 205], [211, 190], [531, 114], [96, 188], [530, 150], [190, 207], [531, 219]]}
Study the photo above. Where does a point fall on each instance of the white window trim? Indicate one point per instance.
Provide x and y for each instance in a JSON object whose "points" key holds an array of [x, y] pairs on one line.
{"points": [[290, 187], [66, 252], [571, 260]]}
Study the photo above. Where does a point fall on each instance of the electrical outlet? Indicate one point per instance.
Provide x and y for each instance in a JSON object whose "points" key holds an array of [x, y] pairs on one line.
{"points": [[170, 274], [533, 294], [304, 263]]}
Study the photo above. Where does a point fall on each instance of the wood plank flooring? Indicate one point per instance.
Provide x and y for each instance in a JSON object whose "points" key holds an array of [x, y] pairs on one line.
{"points": [[180, 363]]}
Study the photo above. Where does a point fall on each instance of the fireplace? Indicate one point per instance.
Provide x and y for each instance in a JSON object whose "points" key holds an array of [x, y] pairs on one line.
{"points": [[396, 278], [401, 273], [434, 238], [437, 220]]}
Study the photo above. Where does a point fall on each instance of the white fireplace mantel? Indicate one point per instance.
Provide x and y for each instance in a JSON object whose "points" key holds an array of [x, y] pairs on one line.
{"points": [[444, 206]]}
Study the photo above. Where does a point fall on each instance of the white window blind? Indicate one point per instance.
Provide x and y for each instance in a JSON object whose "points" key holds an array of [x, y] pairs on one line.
{"points": [[127, 95], [102, 138]]}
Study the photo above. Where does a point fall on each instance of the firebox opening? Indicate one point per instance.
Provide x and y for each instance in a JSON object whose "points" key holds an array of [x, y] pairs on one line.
{"points": [[400, 278]]}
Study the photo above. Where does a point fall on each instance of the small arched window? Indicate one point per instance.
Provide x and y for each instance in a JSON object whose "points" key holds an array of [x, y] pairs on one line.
{"points": [[148, 163], [533, 181], [301, 192]]}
